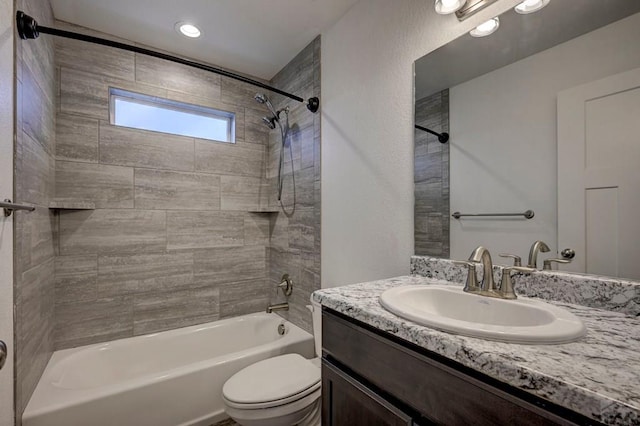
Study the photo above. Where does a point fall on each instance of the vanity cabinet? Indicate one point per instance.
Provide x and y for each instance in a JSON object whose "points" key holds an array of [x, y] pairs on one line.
{"points": [[374, 378]]}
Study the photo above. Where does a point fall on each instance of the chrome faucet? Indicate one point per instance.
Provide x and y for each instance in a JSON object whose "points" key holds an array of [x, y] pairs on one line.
{"points": [[481, 254], [278, 307], [537, 247], [487, 286]]}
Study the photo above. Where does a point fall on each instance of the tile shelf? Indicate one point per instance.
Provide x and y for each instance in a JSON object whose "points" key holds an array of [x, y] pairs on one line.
{"points": [[265, 210], [72, 205]]}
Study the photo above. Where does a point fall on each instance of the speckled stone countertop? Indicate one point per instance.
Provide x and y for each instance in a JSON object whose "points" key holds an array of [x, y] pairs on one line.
{"points": [[597, 376]]}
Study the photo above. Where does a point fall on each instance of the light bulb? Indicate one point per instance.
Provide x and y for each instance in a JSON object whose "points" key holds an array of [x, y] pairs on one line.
{"points": [[530, 6], [486, 28], [188, 30], [446, 7]]}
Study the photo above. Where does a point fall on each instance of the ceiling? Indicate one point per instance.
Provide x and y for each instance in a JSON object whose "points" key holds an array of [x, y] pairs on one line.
{"points": [[255, 37], [518, 37]]}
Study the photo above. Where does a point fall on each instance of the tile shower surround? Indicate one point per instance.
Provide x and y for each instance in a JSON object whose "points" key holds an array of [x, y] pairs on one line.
{"points": [[431, 177], [172, 241], [295, 235], [35, 247]]}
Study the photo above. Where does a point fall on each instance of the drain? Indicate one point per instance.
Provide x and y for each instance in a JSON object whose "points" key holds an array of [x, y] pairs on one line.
{"points": [[281, 329]]}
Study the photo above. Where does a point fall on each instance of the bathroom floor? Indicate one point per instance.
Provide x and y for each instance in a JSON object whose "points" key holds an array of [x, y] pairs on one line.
{"points": [[227, 422]]}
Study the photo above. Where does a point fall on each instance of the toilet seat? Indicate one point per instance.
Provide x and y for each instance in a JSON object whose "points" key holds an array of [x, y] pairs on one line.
{"points": [[272, 382]]}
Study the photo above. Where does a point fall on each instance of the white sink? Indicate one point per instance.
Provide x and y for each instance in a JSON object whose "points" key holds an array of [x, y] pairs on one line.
{"points": [[450, 309]]}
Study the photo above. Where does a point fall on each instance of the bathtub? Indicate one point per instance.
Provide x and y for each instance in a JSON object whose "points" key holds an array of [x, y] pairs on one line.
{"points": [[165, 379]]}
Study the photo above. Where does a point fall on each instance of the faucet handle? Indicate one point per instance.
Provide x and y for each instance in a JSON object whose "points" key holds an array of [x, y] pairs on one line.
{"points": [[472, 279], [506, 285], [517, 260], [286, 284], [547, 263]]}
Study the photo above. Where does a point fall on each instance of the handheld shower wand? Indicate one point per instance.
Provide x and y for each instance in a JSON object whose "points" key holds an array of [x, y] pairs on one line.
{"points": [[284, 130]]}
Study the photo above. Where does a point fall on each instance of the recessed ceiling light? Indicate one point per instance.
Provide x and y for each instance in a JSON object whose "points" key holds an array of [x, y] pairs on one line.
{"points": [[188, 30], [446, 7], [486, 28], [530, 6]]}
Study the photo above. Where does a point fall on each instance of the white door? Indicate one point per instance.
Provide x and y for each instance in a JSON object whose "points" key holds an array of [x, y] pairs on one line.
{"points": [[599, 175], [6, 191]]}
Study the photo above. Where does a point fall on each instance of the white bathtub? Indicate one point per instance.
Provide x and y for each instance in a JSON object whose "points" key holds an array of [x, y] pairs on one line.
{"points": [[165, 379]]}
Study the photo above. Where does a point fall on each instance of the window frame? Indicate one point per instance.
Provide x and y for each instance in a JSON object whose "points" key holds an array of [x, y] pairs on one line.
{"points": [[169, 104]]}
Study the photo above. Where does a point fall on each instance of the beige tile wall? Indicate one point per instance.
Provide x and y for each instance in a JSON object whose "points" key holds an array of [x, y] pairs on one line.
{"points": [[172, 241]]}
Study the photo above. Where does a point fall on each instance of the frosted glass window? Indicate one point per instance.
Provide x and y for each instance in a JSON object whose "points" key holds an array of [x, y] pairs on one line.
{"points": [[145, 112]]}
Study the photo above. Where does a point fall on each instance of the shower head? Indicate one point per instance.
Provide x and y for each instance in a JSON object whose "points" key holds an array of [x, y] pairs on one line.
{"points": [[261, 98], [270, 122]]}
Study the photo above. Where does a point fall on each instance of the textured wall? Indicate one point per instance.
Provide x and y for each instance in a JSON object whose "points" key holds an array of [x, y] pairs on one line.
{"points": [[34, 184], [171, 241], [295, 239], [431, 177], [367, 132]]}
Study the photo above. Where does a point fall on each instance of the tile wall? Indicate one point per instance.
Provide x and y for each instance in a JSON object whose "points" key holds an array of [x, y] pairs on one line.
{"points": [[35, 248], [295, 237], [168, 236], [431, 177], [172, 240]]}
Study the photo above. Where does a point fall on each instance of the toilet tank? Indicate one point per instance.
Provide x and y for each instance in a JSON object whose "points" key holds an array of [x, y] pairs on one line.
{"points": [[316, 312]]}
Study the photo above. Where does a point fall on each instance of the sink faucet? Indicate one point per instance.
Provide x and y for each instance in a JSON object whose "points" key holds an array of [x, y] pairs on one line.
{"points": [[537, 247], [481, 254], [487, 286]]}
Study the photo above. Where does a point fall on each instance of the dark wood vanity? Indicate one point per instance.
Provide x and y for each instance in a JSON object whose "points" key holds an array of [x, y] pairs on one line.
{"points": [[373, 378]]}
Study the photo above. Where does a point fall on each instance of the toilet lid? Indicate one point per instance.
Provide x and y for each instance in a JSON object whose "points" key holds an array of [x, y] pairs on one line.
{"points": [[273, 379]]}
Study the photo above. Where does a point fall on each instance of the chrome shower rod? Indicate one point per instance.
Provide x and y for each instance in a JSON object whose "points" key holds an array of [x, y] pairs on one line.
{"points": [[28, 28]]}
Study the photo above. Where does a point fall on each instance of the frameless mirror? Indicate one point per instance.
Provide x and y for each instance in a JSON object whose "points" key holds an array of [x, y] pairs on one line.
{"points": [[543, 115]]}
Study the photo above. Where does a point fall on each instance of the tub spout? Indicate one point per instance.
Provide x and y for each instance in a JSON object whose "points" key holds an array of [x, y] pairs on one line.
{"points": [[278, 307]]}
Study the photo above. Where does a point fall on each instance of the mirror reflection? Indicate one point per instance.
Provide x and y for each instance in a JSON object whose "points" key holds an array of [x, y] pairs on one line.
{"points": [[543, 115]]}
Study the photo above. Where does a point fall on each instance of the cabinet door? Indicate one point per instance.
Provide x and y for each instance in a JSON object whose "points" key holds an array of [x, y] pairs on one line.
{"points": [[347, 402]]}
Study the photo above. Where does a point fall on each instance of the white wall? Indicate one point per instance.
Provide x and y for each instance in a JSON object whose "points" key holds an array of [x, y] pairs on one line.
{"points": [[367, 132], [503, 138], [6, 191]]}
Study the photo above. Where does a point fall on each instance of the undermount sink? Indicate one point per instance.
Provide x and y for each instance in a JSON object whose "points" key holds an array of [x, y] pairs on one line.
{"points": [[448, 308]]}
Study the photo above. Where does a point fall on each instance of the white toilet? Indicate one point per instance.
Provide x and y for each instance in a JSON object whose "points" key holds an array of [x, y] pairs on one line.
{"points": [[279, 391]]}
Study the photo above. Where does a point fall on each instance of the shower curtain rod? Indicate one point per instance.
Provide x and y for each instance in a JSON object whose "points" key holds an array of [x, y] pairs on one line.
{"points": [[28, 28], [442, 137]]}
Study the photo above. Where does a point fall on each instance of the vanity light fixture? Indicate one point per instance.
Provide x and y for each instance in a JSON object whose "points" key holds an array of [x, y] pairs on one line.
{"points": [[188, 30], [486, 28], [530, 6], [447, 7]]}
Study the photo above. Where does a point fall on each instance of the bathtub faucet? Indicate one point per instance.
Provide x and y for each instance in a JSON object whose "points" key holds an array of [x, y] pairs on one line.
{"points": [[278, 307]]}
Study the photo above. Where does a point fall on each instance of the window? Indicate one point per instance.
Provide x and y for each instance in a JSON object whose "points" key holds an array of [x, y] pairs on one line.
{"points": [[128, 109]]}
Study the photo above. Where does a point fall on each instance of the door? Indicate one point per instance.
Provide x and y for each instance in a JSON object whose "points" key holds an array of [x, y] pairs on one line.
{"points": [[6, 191], [347, 402], [599, 175]]}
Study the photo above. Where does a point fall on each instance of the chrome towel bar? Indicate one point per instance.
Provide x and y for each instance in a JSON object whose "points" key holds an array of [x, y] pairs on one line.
{"points": [[9, 207], [528, 214]]}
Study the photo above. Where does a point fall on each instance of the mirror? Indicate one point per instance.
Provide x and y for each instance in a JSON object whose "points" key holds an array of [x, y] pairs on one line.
{"points": [[526, 126]]}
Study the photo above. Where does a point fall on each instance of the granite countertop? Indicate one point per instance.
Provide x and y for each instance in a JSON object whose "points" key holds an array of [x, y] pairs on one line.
{"points": [[597, 376]]}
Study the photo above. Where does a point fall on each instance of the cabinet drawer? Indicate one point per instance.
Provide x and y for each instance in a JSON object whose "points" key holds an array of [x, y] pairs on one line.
{"points": [[437, 391]]}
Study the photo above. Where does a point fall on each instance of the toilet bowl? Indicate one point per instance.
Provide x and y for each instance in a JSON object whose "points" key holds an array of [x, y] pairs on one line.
{"points": [[279, 391]]}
